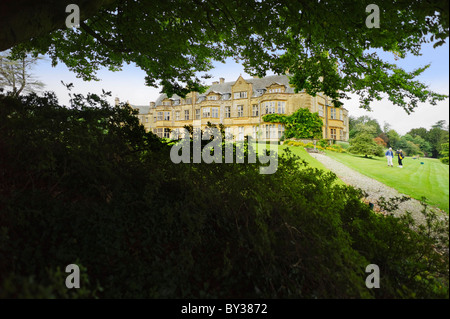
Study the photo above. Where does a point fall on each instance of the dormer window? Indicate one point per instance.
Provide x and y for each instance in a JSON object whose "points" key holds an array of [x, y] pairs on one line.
{"points": [[240, 95], [167, 103], [276, 90], [212, 97], [226, 96]]}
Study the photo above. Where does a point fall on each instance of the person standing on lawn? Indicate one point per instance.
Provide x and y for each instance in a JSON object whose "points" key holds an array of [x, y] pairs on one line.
{"points": [[390, 155], [400, 158]]}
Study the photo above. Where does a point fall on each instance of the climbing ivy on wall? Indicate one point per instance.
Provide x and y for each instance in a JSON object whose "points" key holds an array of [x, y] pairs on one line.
{"points": [[301, 124]]}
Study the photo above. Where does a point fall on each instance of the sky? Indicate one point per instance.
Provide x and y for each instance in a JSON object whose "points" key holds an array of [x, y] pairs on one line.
{"points": [[129, 85]]}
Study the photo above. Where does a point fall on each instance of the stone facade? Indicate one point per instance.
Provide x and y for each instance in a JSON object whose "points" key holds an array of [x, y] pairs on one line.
{"points": [[240, 106]]}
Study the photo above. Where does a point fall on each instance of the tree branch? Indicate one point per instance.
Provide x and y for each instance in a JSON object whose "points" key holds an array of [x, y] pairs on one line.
{"points": [[106, 43]]}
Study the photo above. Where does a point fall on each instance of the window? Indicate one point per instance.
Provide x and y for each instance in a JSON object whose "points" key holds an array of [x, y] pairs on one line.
{"points": [[255, 110], [240, 95], [146, 119], [212, 97], [341, 115], [278, 90], [241, 133], [167, 103], [167, 132], [176, 134], [270, 107], [159, 132], [228, 134], [160, 116], [240, 110], [227, 111], [177, 115], [206, 112], [280, 130], [255, 132], [333, 113], [270, 131], [341, 135], [176, 102], [281, 107], [215, 112], [154, 118], [166, 116], [321, 110], [197, 114], [333, 133], [188, 100]]}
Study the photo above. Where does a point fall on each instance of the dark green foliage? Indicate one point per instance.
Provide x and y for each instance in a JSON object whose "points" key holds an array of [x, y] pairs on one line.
{"points": [[301, 124], [444, 153], [87, 185], [316, 41]]}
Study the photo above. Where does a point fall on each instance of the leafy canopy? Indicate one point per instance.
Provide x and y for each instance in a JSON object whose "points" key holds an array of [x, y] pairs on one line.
{"points": [[325, 45]]}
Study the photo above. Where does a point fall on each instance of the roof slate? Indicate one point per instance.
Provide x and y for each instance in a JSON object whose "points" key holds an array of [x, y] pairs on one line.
{"points": [[258, 84]]}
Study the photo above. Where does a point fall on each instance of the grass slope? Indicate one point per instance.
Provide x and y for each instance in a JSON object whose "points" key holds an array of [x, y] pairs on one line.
{"points": [[304, 155], [414, 179]]}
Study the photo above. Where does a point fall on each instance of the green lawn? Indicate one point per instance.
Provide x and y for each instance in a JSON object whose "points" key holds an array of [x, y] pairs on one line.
{"points": [[414, 179], [300, 151]]}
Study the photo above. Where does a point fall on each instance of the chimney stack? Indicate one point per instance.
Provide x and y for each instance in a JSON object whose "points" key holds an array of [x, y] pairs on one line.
{"points": [[152, 105], [222, 80], [116, 101], [215, 82]]}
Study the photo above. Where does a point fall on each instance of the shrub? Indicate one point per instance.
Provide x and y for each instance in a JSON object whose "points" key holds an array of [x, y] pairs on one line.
{"points": [[444, 153], [344, 145], [88, 185], [323, 143], [364, 144], [335, 148]]}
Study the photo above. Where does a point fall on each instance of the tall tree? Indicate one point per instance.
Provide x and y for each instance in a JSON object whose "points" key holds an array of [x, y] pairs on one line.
{"points": [[327, 46], [436, 136], [16, 75], [364, 124], [394, 139], [421, 131]]}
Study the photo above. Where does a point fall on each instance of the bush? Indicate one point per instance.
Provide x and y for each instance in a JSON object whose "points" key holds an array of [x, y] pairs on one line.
{"points": [[323, 143], [88, 185], [364, 144], [444, 153], [344, 145], [335, 148]]}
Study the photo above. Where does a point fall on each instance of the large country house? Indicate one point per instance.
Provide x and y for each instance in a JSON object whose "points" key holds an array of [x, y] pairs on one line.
{"points": [[240, 106]]}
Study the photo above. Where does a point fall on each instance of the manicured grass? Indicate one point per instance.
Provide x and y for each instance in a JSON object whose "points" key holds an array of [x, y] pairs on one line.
{"points": [[414, 179], [304, 155]]}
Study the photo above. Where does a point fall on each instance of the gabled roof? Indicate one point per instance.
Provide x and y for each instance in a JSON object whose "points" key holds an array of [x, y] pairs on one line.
{"points": [[258, 84], [143, 109]]}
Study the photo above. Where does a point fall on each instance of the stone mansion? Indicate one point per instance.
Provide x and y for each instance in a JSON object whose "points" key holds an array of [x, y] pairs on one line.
{"points": [[240, 106]]}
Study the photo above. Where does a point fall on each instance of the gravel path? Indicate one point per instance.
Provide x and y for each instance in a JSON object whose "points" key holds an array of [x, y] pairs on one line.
{"points": [[372, 187]]}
